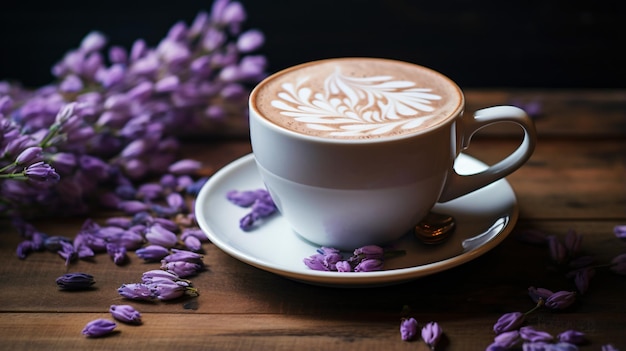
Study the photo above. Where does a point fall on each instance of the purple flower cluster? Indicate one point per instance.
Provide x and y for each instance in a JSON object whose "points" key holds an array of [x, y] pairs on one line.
{"points": [[159, 284], [260, 203], [364, 259], [113, 115], [566, 255], [75, 281], [431, 332], [510, 331]]}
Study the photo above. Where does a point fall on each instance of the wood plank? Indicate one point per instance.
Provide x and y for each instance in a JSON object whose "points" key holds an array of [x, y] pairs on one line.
{"points": [[565, 179], [578, 113], [61, 331]]}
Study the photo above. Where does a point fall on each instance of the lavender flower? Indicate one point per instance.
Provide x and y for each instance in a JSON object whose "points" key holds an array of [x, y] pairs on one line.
{"points": [[117, 253], [183, 255], [260, 201], [531, 334], [408, 329], [431, 334], [152, 253], [156, 275], [75, 281], [41, 172], [508, 322], [505, 340], [157, 235], [369, 265], [104, 124], [561, 300], [98, 328], [184, 167], [136, 291], [572, 337], [125, 313], [182, 269]]}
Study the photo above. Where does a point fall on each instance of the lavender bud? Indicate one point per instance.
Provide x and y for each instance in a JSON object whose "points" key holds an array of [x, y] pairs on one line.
{"points": [[408, 329], [167, 84], [192, 243], [182, 269], [29, 155], [117, 54], [98, 328], [117, 253], [184, 167], [159, 274], [71, 84], [609, 347], [572, 337], [132, 206], [250, 40], [41, 172], [531, 334], [244, 198], [507, 339], [183, 255], [125, 313], [75, 281], [152, 253], [508, 322], [315, 262], [167, 290], [369, 265], [431, 333], [158, 235], [343, 266], [135, 291], [93, 41], [561, 300], [370, 251]]}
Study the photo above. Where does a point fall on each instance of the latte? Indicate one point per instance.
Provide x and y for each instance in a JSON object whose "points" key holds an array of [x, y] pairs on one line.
{"points": [[357, 98]]}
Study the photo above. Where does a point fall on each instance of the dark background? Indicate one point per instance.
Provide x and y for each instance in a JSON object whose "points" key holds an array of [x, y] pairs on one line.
{"points": [[495, 43]]}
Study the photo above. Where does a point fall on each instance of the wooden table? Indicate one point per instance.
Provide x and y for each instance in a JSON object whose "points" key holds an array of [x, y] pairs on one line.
{"points": [[576, 180]]}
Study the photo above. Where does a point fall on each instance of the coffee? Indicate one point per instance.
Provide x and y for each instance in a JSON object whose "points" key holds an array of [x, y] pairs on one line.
{"points": [[357, 98]]}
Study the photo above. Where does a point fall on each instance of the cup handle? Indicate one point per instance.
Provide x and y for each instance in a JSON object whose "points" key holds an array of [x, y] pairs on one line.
{"points": [[458, 185]]}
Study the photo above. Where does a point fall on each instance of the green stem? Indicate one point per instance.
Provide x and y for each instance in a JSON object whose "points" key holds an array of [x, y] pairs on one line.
{"points": [[539, 304]]}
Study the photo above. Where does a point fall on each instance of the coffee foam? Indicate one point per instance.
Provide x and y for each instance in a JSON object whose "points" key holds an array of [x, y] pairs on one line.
{"points": [[357, 98]]}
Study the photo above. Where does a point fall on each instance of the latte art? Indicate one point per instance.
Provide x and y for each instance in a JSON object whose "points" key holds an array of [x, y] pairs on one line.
{"points": [[357, 98]]}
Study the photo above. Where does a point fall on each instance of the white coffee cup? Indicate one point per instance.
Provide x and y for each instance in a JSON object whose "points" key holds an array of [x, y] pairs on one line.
{"points": [[356, 151]]}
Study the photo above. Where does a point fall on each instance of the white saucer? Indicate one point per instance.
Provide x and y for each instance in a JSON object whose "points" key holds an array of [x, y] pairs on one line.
{"points": [[484, 218]]}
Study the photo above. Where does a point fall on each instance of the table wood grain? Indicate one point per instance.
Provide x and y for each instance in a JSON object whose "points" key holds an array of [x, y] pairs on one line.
{"points": [[576, 180]]}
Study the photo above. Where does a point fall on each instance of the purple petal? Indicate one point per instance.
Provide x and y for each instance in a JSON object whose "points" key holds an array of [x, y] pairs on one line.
{"points": [[98, 328], [408, 329], [125, 313]]}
